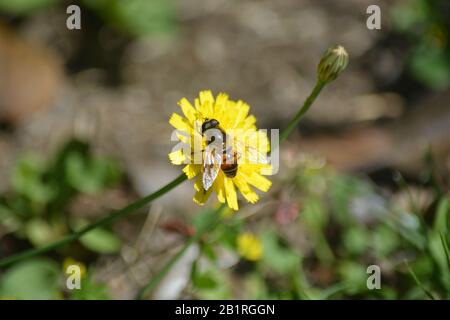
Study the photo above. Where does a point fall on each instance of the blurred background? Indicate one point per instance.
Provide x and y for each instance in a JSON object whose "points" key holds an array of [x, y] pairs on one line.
{"points": [[363, 181]]}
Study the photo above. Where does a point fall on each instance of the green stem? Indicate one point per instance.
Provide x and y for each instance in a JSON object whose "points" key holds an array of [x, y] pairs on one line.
{"points": [[416, 279], [99, 223], [306, 105], [446, 249]]}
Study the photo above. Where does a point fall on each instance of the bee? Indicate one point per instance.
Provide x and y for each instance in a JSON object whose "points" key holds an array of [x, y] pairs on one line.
{"points": [[214, 160]]}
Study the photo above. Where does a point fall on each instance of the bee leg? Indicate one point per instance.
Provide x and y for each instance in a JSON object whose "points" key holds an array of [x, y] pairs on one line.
{"points": [[192, 152]]}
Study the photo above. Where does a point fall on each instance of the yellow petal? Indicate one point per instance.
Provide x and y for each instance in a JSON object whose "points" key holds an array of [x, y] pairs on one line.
{"points": [[241, 112], [264, 169], [221, 112], [219, 187], [198, 185], [177, 157], [183, 137], [191, 170], [205, 109], [201, 196], [221, 102], [188, 110], [258, 140], [249, 122], [258, 181], [179, 122], [230, 193], [245, 189], [206, 96], [249, 246]]}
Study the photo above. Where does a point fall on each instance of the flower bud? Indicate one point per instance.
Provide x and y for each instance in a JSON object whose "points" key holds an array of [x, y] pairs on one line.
{"points": [[333, 62]]}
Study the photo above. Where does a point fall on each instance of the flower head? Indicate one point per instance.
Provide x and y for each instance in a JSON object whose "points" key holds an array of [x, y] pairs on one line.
{"points": [[333, 62], [242, 143], [249, 247]]}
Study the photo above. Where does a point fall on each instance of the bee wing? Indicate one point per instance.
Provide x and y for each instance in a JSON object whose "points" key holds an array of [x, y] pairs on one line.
{"points": [[211, 166]]}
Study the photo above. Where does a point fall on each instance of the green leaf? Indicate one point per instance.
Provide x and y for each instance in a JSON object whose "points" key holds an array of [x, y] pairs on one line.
{"points": [[90, 291], [385, 241], [330, 292], [21, 7], [229, 233], [8, 219], [356, 240], [418, 282], [415, 236], [354, 278], [445, 246], [438, 254], [431, 65], [31, 279], [354, 275], [28, 180], [256, 287], [76, 169], [405, 17], [204, 280], [90, 175], [101, 241], [314, 214], [441, 219], [211, 283], [39, 232], [208, 251], [204, 220], [281, 259], [138, 17]]}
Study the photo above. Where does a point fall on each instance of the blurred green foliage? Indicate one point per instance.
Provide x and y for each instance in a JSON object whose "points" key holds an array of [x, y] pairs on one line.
{"points": [[37, 210], [349, 226], [137, 17], [90, 290], [31, 279], [100, 240], [427, 26], [37, 206], [41, 279], [134, 17], [20, 7], [344, 225]]}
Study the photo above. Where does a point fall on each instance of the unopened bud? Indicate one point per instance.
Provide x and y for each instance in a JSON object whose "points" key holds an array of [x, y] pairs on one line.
{"points": [[333, 62]]}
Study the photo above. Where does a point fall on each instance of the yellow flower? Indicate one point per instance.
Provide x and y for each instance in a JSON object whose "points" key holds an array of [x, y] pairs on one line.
{"points": [[249, 247], [234, 119], [70, 261]]}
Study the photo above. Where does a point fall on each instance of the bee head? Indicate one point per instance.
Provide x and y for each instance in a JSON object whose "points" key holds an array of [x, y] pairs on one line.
{"points": [[209, 124]]}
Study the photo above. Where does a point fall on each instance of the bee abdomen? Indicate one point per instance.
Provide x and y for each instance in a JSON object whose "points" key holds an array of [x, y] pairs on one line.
{"points": [[230, 170]]}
